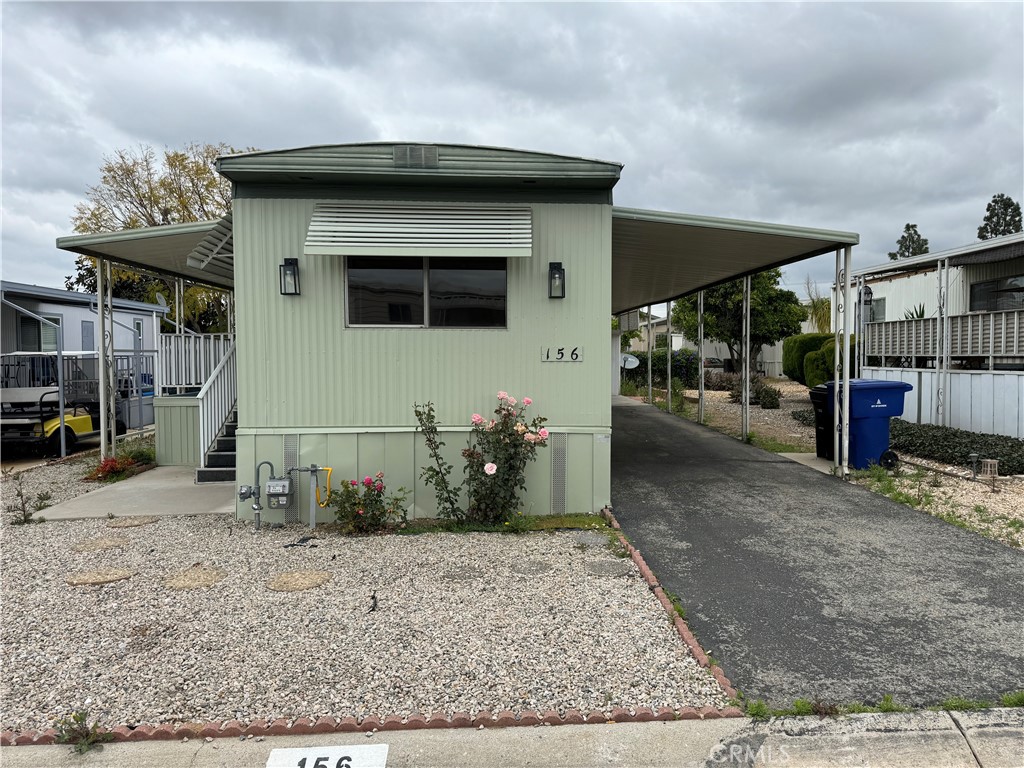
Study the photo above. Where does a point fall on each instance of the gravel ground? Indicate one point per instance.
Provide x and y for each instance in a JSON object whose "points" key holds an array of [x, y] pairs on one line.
{"points": [[464, 623]]}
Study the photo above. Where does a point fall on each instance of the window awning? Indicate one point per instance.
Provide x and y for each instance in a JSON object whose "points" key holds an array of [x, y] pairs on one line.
{"points": [[468, 231]]}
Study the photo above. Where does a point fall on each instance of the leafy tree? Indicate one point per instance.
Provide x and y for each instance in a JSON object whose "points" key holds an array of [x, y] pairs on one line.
{"points": [[140, 187], [627, 336], [910, 244], [819, 310], [1002, 217], [775, 313]]}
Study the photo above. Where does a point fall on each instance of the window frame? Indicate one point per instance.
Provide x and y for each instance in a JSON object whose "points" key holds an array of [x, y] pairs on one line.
{"points": [[425, 260]]}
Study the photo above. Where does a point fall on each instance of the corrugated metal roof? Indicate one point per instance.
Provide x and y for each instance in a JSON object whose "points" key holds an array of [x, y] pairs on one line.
{"points": [[418, 163], [164, 250], [56, 295], [658, 256], [986, 251]]}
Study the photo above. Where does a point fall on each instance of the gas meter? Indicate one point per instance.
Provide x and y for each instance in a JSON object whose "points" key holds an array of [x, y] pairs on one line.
{"points": [[279, 492]]}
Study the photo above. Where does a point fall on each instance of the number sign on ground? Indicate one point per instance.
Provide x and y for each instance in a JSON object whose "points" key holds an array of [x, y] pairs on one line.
{"points": [[355, 756]]}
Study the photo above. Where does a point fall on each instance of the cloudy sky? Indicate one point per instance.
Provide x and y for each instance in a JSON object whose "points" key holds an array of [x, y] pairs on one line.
{"points": [[858, 117]]}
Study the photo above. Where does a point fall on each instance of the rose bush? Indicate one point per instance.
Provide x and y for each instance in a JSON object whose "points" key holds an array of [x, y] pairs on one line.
{"points": [[495, 471], [362, 507]]}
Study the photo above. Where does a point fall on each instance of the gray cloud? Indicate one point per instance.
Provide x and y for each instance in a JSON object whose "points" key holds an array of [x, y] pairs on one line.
{"points": [[846, 116]]}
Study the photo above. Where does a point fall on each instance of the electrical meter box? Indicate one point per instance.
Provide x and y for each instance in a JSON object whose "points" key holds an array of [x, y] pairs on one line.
{"points": [[278, 491]]}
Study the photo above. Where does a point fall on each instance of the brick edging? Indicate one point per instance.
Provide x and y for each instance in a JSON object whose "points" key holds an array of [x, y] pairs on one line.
{"points": [[304, 726], [677, 620]]}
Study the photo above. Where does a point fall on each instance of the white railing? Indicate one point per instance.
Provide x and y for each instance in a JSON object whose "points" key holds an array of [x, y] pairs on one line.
{"points": [[216, 399], [979, 334], [188, 361]]}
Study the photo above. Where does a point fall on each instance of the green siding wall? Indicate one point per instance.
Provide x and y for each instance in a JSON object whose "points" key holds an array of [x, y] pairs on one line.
{"points": [[349, 393], [177, 431]]}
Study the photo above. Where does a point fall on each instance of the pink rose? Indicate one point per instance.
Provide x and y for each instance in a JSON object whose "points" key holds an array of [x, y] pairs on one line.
{"points": [[379, 475], [511, 401], [491, 423], [354, 483], [527, 401], [367, 481], [530, 437], [543, 433], [490, 468], [503, 395], [379, 486], [477, 419], [359, 511]]}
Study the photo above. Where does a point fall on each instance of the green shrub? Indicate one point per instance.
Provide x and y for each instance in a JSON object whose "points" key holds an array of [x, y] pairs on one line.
{"points": [[954, 446], [362, 507], [719, 381], [795, 349], [805, 416], [684, 369], [768, 397], [759, 387], [76, 731], [816, 371]]}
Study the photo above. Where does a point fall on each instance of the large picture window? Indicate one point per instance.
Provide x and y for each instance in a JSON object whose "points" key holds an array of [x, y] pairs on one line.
{"points": [[428, 292], [998, 295]]}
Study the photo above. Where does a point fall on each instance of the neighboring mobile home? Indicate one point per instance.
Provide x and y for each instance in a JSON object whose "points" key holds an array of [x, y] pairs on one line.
{"points": [[952, 324], [371, 277]]}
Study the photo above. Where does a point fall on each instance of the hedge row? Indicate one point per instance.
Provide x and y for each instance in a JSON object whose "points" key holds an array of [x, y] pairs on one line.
{"points": [[684, 368], [820, 365], [954, 446], [795, 349]]}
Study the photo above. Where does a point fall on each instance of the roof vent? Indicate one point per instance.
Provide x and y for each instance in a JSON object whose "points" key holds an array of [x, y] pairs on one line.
{"points": [[415, 156]]}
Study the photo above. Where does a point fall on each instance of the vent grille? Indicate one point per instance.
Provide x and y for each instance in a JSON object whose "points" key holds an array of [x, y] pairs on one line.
{"points": [[415, 156], [559, 471], [357, 230], [291, 459]]}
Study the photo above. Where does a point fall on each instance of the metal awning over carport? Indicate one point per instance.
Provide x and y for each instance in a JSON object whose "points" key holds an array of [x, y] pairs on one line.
{"points": [[659, 256], [200, 252]]}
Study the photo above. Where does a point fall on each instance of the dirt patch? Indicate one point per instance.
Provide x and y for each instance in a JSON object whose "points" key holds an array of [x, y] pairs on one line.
{"points": [[296, 581], [196, 577], [98, 545]]}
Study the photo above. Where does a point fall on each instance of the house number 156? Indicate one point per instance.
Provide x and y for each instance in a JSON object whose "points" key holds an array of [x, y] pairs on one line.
{"points": [[321, 762], [561, 354]]}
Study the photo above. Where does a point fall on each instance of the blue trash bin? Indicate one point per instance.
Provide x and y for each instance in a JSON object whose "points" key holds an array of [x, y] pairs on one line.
{"points": [[872, 403]]}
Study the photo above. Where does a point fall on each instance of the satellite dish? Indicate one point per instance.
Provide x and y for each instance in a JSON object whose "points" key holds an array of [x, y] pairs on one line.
{"points": [[160, 299], [629, 361]]}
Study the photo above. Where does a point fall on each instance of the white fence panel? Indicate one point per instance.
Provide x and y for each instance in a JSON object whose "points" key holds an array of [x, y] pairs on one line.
{"points": [[978, 401]]}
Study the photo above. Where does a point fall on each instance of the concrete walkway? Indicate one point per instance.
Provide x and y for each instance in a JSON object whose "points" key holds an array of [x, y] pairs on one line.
{"points": [[990, 739], [160, 491], [804, 586]]}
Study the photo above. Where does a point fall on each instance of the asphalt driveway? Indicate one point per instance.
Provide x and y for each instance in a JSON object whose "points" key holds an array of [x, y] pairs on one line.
{"points": [[803, 586]]}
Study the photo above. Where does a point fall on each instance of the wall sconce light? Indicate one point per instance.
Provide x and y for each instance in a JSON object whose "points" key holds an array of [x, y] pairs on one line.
{"points": [[290, 277], [867, 295], [556, 280]]}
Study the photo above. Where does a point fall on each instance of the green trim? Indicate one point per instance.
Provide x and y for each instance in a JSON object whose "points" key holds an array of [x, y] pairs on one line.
{"points": [[71, 242]]}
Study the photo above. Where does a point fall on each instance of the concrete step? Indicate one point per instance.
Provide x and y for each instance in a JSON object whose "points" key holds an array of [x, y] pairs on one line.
{"points": [[220, 459], [215, 475]]}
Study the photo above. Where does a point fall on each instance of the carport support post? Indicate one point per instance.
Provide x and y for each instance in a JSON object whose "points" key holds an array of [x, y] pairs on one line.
{"points": [[841, 389], [650, 334], [668, 354], [700, 357], [745, 358], [102, 362]]}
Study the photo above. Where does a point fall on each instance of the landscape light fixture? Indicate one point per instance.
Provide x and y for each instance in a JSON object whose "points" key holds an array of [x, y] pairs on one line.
{"points": [[556, 280], [290, 277]]}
